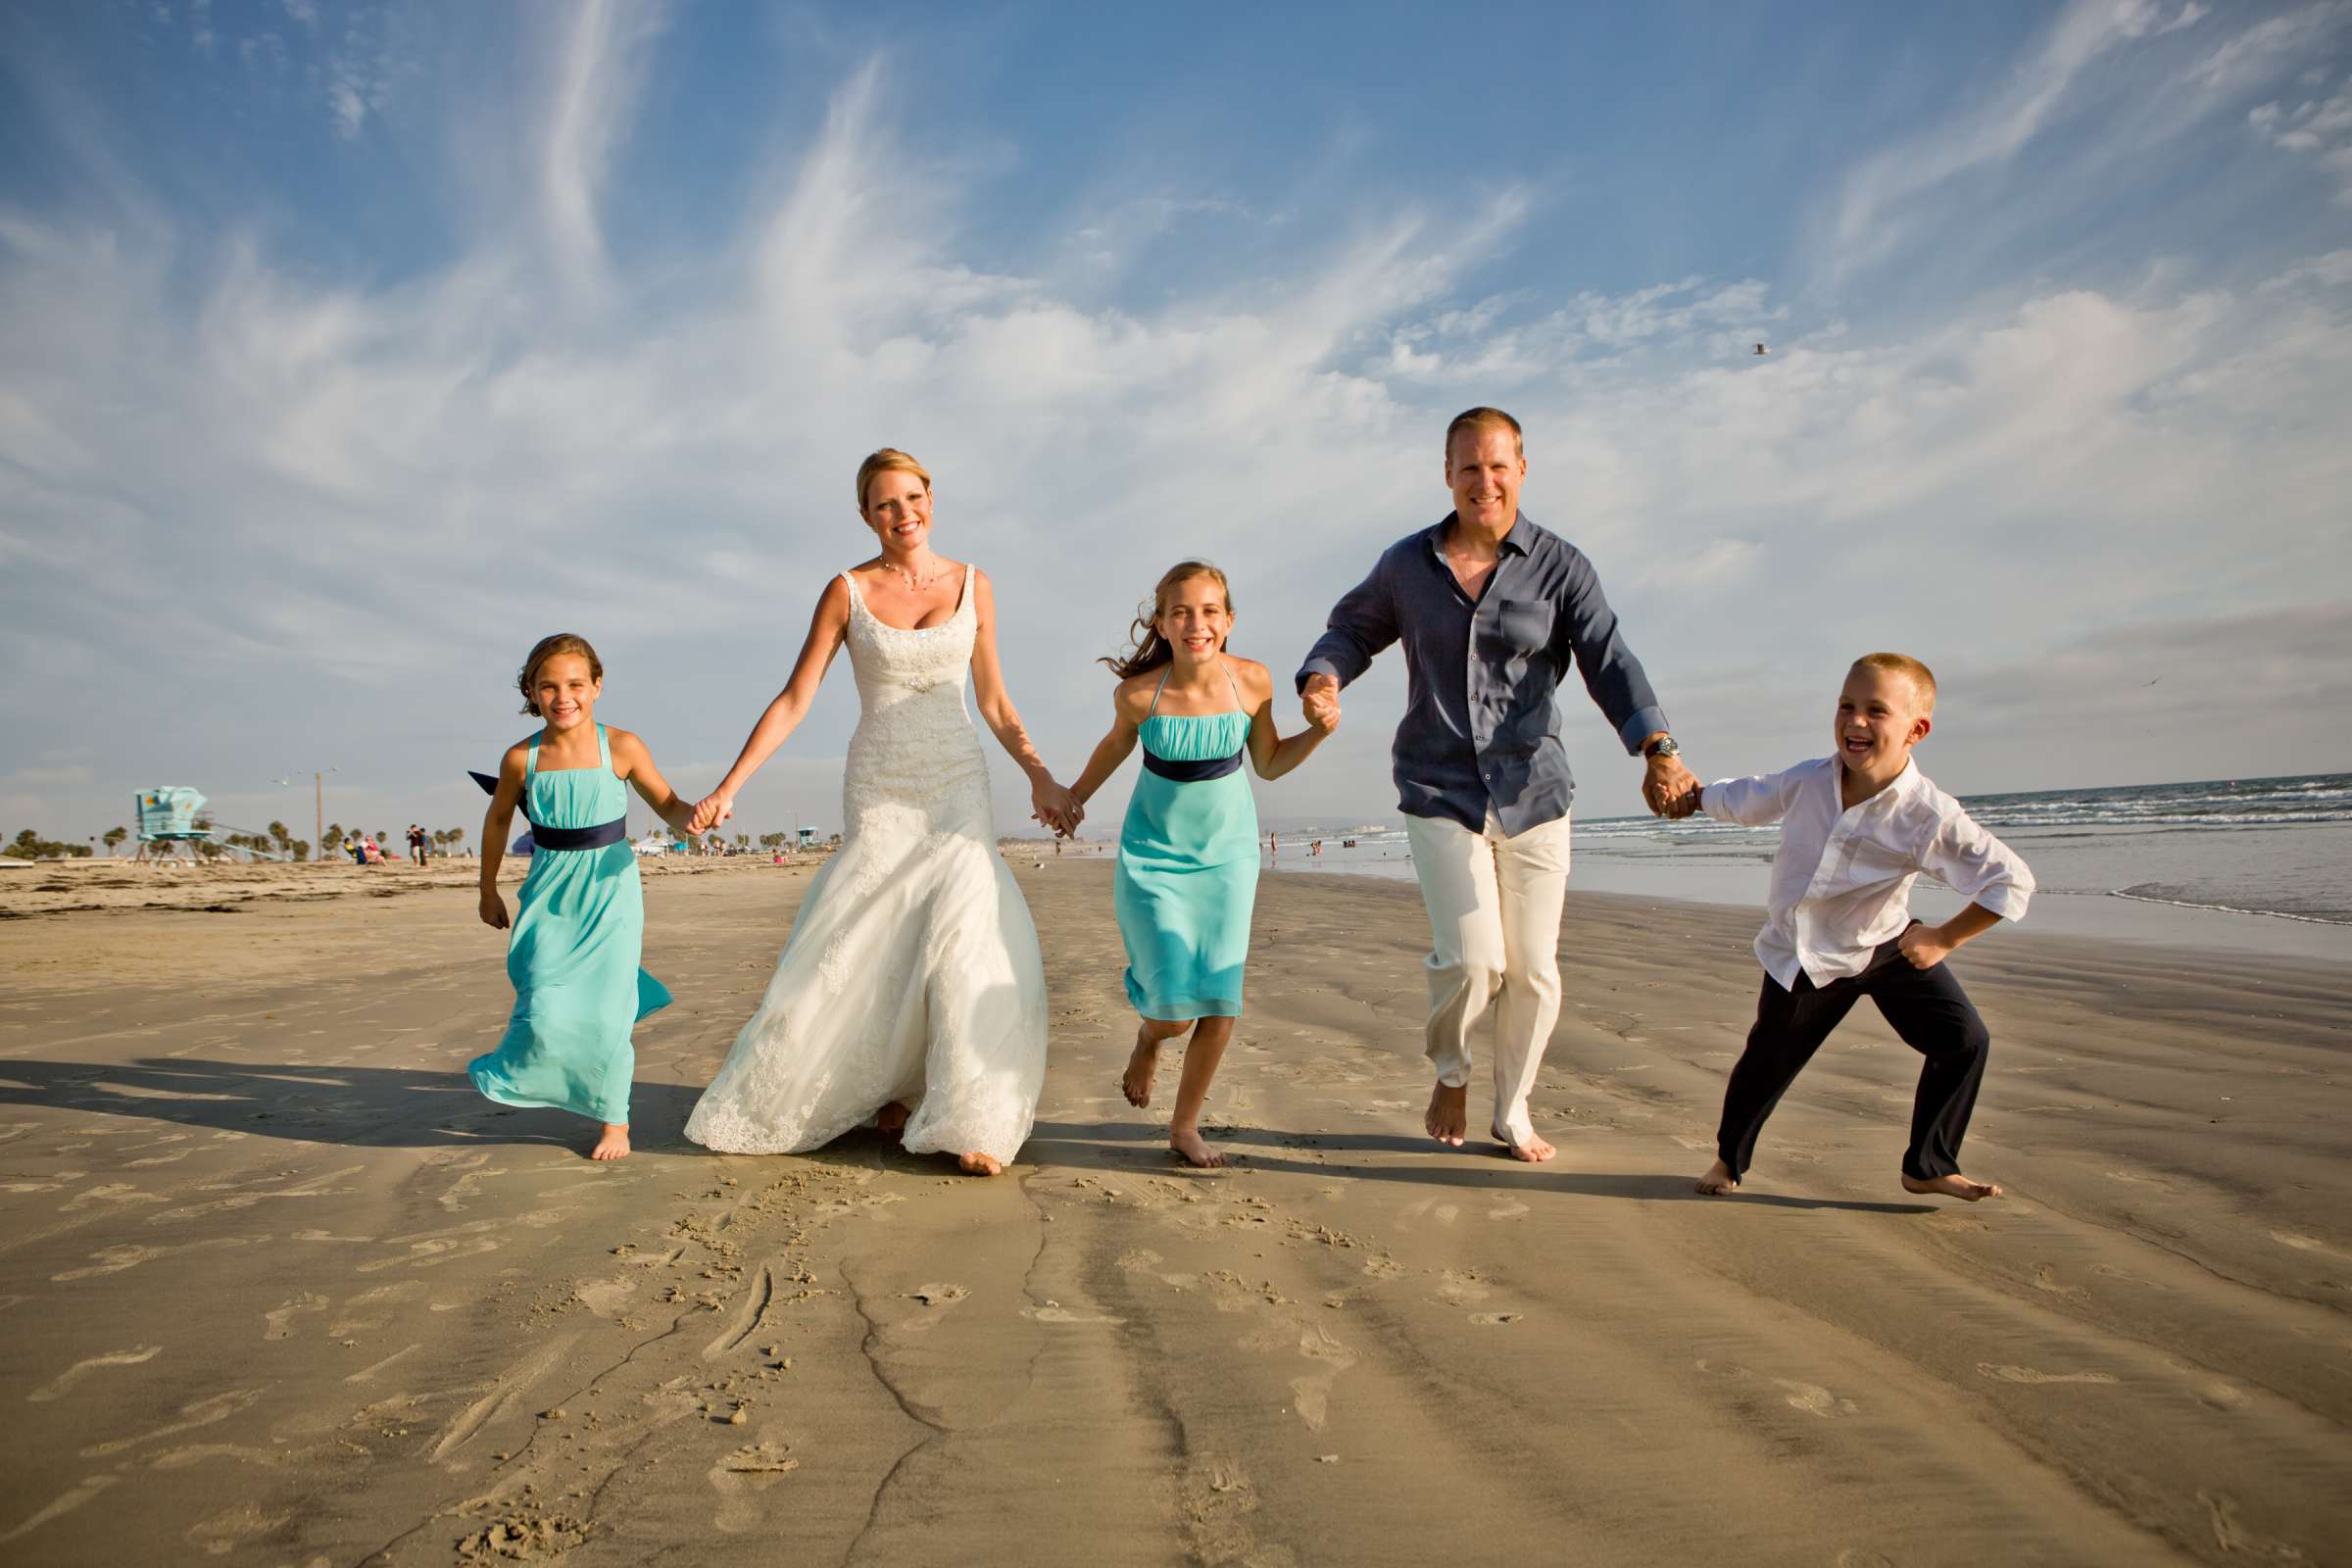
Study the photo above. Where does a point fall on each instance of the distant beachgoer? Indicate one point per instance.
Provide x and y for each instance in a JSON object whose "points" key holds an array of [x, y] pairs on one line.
{"points": [[1186, 873], [415, 844], [1858, 828], [1480, 775], [580, 924]]}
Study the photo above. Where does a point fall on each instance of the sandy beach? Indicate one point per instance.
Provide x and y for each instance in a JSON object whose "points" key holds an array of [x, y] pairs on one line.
{"points": [[280, 1289]]}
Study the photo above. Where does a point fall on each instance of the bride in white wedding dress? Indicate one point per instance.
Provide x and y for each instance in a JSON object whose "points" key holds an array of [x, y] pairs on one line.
{"points": [[910, 991]]}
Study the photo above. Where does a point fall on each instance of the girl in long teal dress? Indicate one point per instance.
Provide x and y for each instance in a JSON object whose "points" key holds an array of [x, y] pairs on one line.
{"points": [[1187, 874], [580, 925]]}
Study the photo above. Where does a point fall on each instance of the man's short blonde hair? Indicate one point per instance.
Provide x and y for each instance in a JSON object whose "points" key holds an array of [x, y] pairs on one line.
{"points": [[1484, 419], [888, 459], [1922, 677]]}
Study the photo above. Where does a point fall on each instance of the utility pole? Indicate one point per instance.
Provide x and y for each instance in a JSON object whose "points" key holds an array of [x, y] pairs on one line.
{"points": [[319, 804]]}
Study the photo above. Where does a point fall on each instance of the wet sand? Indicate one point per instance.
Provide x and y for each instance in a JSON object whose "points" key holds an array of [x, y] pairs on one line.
{"points": [[278, 1288]]}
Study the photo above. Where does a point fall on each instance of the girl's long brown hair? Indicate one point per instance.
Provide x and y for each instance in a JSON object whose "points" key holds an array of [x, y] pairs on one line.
{"points": [[1152, 649]]}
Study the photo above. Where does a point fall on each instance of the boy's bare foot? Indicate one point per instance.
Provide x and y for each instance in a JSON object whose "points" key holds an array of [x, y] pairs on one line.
{"points": [[1449, 1118], [1718, 1182], [1534, 1152], [891, 1119], [979, 1164], [613, 1144], [1142, 1066], [1953, 1186], [1188, 1143]]}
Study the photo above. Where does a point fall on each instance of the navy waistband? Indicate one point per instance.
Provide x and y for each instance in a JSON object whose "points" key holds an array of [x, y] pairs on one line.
{"points": [[1192, 772], [581, 838]]}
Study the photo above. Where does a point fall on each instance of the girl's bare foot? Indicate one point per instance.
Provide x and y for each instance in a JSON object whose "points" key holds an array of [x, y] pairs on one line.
{"points": [[1718, 1182], [613, 1144], [891, 1119], [1449, 1118], [979, 1164], [1953, 1186], [1142, 1066], [1195, 1149]]}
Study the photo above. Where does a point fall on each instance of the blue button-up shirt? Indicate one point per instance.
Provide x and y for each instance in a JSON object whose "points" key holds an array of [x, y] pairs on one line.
{"points": [[1480, 728]]}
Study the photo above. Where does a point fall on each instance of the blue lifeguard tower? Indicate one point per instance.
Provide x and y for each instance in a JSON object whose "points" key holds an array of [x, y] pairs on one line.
{"points": [[166, 818]]}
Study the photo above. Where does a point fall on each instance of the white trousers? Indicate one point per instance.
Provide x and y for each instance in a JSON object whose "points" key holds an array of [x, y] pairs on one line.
{"points": [[1494, 951]]}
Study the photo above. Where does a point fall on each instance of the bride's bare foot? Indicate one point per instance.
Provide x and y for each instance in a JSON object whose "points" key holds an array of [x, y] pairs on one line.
{"points": [[979, 1164], [613, 1144], [1195, 1149], [1142, 1066], [891, 1119], [1534, 1152], [1718, 1182], [1449, 1118], [1953, 1186]]}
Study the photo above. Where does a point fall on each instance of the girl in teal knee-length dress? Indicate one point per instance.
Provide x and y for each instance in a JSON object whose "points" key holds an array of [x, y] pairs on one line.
{"points": [[580, 924], [1187, 874]]}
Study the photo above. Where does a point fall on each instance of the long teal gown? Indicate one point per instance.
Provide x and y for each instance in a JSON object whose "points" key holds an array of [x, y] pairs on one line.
{"points": [[579, 928], [1187, 877]]}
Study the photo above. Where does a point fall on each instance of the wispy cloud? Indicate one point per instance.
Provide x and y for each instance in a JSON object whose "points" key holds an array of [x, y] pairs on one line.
{"points": [[328, 510]]}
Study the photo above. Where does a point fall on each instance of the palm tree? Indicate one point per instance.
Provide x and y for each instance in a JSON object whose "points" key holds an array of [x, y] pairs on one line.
{"points": [[113, 837], [281, 836], [330, 842], [457, 836], [743, 841]]}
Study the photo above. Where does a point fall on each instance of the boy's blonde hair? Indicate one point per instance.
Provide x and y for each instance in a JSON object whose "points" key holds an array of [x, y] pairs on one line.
{"points": [[546, 647], [887, 460], [1922, 680]]}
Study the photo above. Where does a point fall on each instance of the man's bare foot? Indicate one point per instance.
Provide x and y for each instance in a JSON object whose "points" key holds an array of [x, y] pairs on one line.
{"points": [[1142, 1066], [1188, 1143], [1718, 1182], [891, 1119], [979, 1164], [1534, 1152], [1953, 1186], [1449, 1118], [613, 1144]]}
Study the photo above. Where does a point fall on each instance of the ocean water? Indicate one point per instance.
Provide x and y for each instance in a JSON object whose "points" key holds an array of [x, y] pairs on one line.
{"points": [[2268, 848]]}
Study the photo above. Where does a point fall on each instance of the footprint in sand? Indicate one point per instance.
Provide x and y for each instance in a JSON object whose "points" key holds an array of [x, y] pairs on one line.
{"points": [[938, 1295], [2301, 1244], [281, 1321], [1489, 1320], [2027, 1374], [1461, 1285], [1509, 1209], [1813, 1399], [2045, 1278]]}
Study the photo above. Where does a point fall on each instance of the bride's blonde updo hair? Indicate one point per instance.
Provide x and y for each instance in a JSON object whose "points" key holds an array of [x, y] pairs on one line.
{"points": [[887, 460], [1150, 648]]}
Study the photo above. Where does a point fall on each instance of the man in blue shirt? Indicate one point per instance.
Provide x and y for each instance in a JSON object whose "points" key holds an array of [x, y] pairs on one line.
{"points": [[1492, 610]]}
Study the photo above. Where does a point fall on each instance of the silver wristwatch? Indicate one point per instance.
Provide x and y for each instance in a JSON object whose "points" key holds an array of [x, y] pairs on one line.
{"points": [[1663, 746]]}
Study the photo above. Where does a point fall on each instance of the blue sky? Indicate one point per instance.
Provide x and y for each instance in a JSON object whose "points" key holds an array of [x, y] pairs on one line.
{"points": [[351, 347]]}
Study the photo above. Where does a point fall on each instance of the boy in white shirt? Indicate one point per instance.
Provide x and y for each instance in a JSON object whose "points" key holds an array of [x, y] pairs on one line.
{"points": [[1858, 828]]}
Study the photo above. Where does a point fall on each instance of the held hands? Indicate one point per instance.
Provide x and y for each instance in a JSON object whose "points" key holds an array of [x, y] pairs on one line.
{"points": [[1924, 946], [494, 909], [1668, 789], [710, 810], [1057, 808], [1320, 702]]}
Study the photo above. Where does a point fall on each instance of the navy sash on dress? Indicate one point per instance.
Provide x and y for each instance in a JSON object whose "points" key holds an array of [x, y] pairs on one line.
{"points": [[1195, 771], [563, 838]]}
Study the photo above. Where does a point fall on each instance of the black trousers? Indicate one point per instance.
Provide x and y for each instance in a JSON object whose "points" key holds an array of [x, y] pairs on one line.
{"points": [[1925, 1007]]}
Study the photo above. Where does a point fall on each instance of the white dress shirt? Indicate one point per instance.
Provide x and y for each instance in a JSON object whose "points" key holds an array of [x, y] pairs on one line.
{"points": [[1841, 881]]}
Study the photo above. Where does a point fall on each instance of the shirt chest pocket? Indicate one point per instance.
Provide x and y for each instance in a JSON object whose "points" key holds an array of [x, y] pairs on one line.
{"points": [[1524, 626]]}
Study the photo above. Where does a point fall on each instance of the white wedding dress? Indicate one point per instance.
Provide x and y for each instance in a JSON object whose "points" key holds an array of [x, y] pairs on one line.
{"points": [[912, 972]]}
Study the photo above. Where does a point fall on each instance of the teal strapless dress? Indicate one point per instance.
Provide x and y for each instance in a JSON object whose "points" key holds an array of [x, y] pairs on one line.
{"points": [[1187, 878], [579, 928]]}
